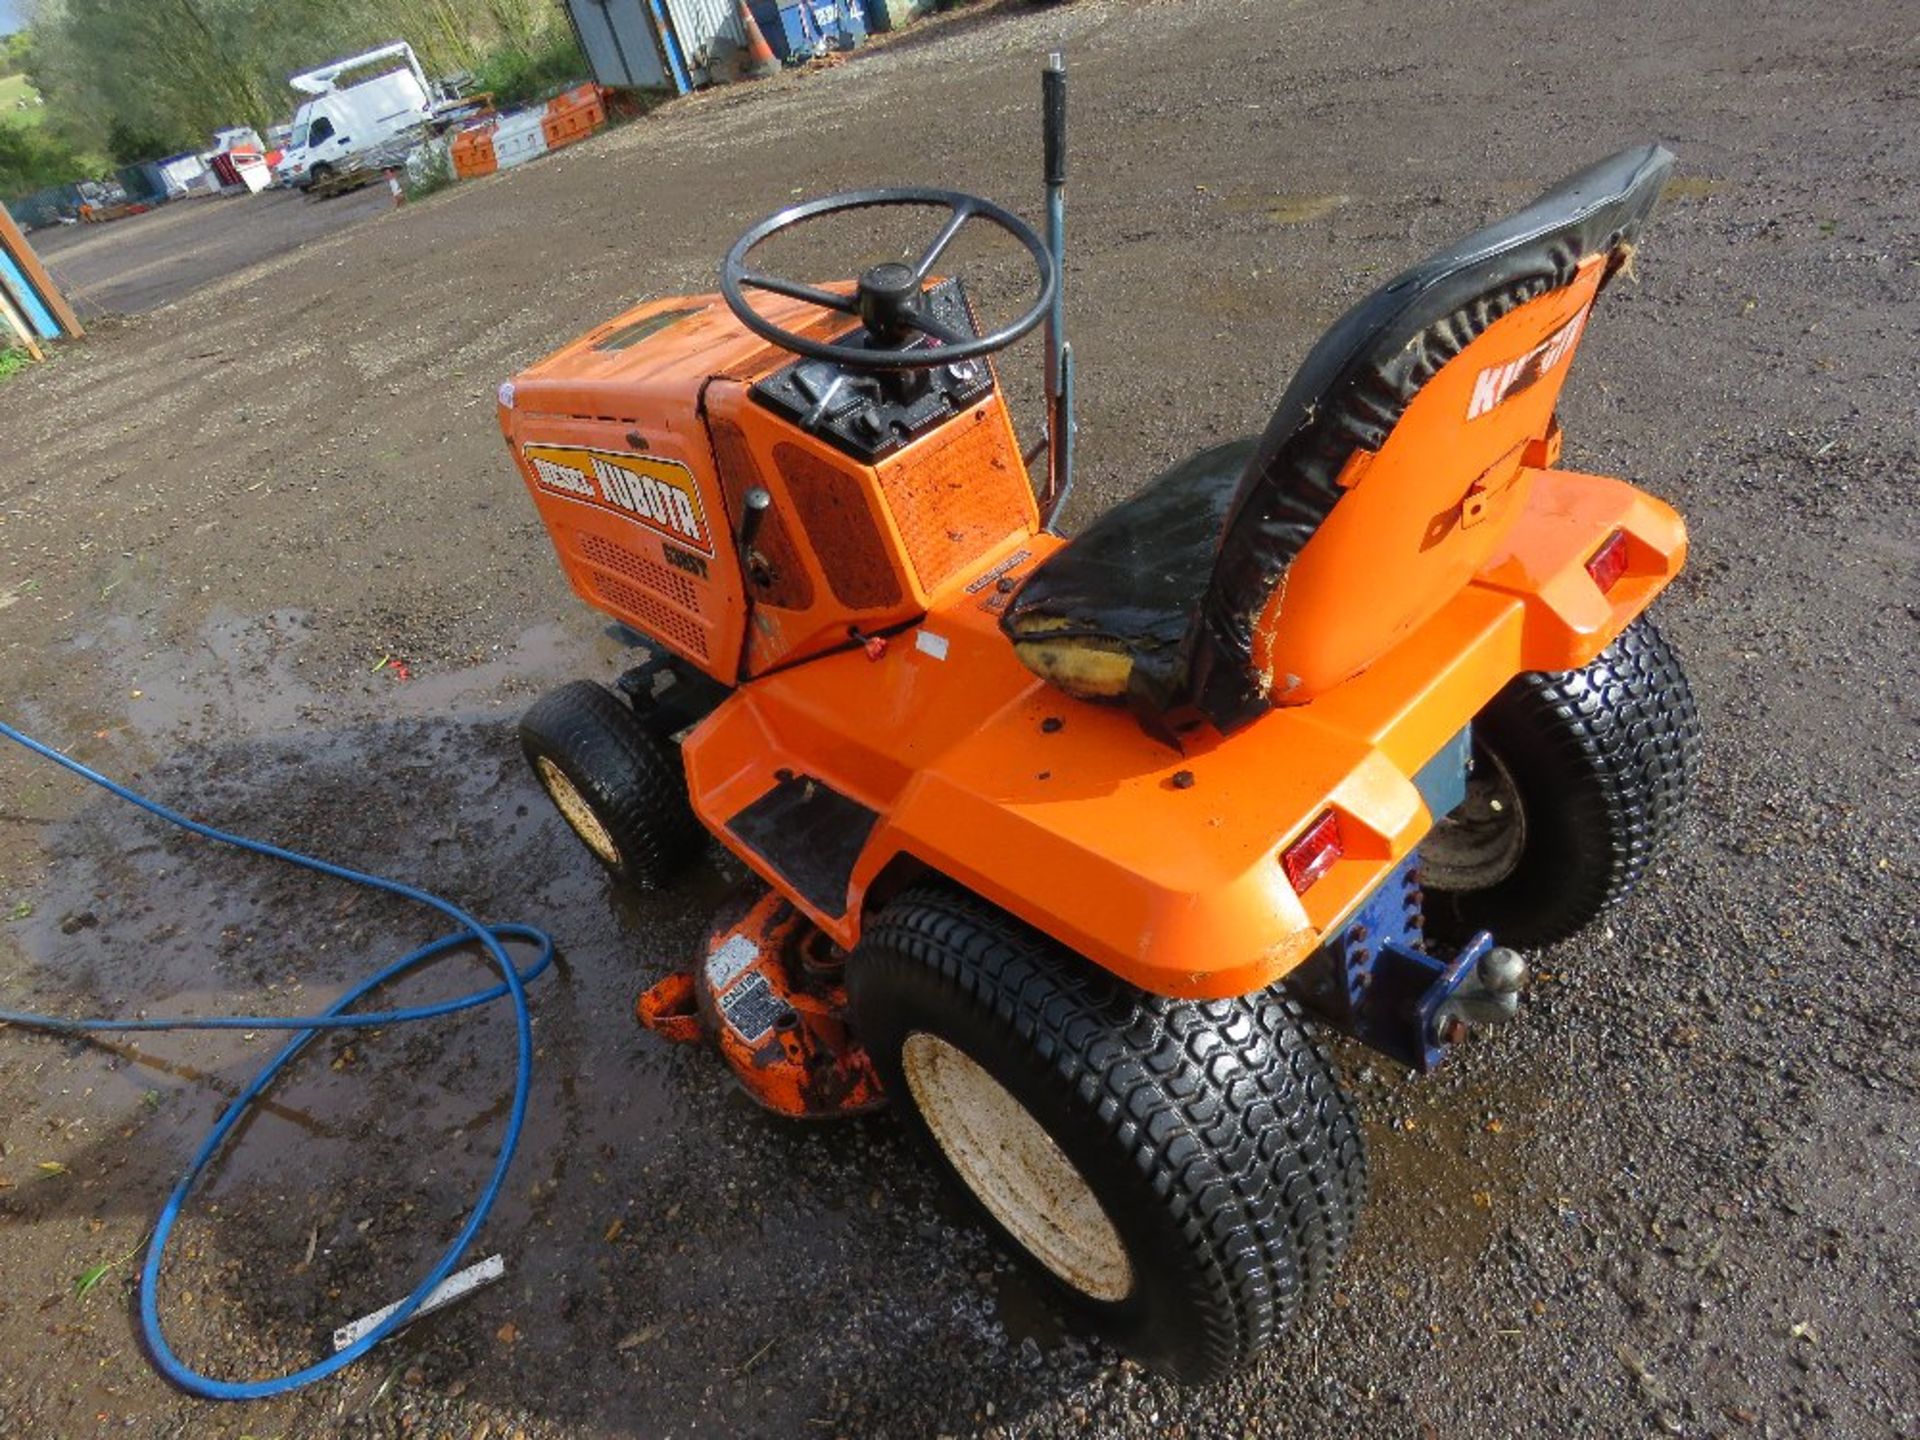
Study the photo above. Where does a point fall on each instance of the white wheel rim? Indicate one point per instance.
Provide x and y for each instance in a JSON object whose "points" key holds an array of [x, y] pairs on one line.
{"points": [[1015, 1169], [575, 811]]}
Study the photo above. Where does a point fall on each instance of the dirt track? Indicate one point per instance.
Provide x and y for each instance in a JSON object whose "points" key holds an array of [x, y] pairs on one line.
{"points": [[1677, 1198], [130, 266]]}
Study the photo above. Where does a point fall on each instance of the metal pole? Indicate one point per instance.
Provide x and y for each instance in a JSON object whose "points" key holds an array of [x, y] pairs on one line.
{"points": [[1060, 428], [670, 47]]}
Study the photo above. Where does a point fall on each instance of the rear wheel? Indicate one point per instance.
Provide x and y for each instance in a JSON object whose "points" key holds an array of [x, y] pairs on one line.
{"points": [[619, 787], [1579, 777], [1185, 1173]]}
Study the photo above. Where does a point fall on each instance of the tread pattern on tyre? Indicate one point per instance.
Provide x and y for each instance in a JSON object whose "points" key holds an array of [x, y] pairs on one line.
{"points": [[631, 778], [1229, 1110], [1622, 738]]}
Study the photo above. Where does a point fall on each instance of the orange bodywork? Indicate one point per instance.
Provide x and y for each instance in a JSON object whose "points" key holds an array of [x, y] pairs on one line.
{"points": [[1159, 864], [770, 993], [847, 544], [1069, 816], [1437, 498]]}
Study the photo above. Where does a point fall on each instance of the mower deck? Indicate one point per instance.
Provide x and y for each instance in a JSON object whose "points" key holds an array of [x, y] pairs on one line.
{"points": [[843, 778]]}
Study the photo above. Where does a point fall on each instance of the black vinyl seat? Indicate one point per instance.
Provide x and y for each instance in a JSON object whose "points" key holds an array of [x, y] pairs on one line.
{"points": [[1157, 601], [1128, 586]]}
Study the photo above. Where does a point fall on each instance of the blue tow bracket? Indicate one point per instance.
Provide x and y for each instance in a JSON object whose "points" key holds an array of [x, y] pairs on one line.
{"points": [[1376, 981]]}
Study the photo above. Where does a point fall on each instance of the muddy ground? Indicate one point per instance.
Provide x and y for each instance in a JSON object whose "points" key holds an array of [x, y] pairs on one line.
{"points": [[1677, 1199]]}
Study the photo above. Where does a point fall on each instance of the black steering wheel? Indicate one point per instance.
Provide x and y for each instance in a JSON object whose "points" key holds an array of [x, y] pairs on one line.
{"points": [[888, 298]]}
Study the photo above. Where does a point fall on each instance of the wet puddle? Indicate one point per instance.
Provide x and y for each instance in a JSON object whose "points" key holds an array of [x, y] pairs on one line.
{"points": [[260, 676], [649, 1196]]}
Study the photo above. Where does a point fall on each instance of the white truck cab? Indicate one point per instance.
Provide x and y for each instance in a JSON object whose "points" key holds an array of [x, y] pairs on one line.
{"points": [[341, 123]]}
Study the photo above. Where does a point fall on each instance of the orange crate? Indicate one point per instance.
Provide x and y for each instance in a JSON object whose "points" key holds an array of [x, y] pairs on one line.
{"points": [[574, 115], [472, 152]]}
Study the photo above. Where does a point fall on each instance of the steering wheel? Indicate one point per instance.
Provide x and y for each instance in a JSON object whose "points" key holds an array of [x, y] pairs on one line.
{"points": [[888, 298]]}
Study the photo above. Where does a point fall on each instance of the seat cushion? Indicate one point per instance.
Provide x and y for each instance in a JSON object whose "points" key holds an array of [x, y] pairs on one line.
{"points": [[1123, 593]]}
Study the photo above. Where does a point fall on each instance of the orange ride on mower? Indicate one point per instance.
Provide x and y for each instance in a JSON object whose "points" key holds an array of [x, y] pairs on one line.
{"points": [[1055, 838]]}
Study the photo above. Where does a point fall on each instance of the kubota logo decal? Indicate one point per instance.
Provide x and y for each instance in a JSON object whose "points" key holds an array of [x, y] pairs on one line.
{"points": [[659, 493], [1500, 382]]}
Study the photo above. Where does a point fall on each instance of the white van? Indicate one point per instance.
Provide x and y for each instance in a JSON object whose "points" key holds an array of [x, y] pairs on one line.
{"points": [[340, 124]]}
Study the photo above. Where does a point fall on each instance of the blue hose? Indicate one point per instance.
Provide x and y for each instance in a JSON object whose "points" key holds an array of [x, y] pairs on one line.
{"points": [[307, 1027]]}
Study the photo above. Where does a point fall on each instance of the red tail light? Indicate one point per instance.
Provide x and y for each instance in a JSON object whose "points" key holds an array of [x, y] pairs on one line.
{"points": [[1609, 562], [1313, 854]]}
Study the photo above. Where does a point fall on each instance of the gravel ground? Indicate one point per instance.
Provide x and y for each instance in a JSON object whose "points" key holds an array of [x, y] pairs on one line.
{"points": [[1675, 1199]]}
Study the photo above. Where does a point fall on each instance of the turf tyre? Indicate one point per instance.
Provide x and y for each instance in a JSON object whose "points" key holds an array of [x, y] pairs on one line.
{"points": [[1599, 761], [1214, 1135], [620, 787]]}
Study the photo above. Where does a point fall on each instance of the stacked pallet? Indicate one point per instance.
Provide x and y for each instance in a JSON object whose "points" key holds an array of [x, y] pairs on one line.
{"points": [[509, 140]]}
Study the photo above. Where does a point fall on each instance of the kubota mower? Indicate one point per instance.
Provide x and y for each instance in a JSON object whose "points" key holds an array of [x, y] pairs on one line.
{"points": [[1056, 837]]}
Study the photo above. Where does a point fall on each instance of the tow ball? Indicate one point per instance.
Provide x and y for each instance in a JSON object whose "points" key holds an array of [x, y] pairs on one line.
{"points": [[1489, 996]]}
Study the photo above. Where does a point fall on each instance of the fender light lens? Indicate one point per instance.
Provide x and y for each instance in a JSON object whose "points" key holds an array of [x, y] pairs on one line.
{"points": [[1313, 854], [1609, 562]]}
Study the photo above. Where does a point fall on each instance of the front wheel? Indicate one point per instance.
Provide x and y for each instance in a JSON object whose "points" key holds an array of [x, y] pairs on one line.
{"points": [[1578, 778], [1185, 1173], [619, 787]]}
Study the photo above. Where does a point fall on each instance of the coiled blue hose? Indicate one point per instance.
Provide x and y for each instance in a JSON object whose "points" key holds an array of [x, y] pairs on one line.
{"points": [[307, 1027]]}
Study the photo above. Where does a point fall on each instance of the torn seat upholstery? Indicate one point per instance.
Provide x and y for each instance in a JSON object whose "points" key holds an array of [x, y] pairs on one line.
{"points": [[1264, 571]]}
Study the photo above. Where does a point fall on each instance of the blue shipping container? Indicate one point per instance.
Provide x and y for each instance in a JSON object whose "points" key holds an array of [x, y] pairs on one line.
{"points": [[799, 30]]}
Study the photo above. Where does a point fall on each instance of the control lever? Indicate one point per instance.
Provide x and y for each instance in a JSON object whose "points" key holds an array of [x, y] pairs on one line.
{"points": [[1060, 423], [754, 514]]}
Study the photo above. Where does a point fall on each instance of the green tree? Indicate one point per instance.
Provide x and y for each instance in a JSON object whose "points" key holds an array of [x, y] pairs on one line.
{"points": [[129, 141], [180, 69], [32, 159], [13, 53]]}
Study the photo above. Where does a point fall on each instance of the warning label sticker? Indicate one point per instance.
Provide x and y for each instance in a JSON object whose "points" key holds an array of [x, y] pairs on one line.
{"points": [[659, 493], [751, 1007], [725, 964]]}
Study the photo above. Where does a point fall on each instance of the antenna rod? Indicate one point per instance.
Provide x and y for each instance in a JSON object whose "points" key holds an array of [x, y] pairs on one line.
{"points": [[1060, 426]]}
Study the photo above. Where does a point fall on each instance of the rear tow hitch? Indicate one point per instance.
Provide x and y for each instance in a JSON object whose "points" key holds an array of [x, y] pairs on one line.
{"points": [[1376, 981], [1490, 995]]}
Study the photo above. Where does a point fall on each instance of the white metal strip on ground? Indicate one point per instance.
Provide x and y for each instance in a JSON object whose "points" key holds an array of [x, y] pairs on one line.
{"points": [[455, 1287]]}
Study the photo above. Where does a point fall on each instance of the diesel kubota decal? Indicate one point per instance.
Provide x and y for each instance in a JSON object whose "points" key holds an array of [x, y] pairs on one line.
{"points": [[659, 493], [1500, 382]]}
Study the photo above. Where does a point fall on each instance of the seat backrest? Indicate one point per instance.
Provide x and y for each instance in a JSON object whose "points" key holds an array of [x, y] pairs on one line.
{"points": [[1394, 461]]}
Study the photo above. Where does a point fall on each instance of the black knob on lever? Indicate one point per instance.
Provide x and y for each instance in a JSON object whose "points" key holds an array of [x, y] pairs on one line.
{"points": [[752, 517], [1053, 110]]}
